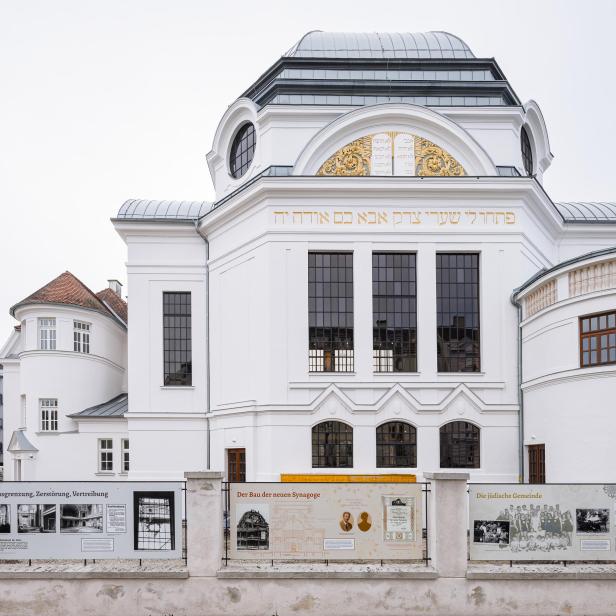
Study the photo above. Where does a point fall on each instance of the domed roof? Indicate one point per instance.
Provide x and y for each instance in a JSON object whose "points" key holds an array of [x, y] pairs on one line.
{"points": [[439, 45]]}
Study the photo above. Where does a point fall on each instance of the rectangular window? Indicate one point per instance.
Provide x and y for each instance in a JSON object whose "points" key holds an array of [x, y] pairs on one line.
{"points": [[330, 312], [49, 414], [457, 312], [177, 338], [105, 455], [598, 339], [125, 455], [394, 312], [47, 334], [81, 337]]}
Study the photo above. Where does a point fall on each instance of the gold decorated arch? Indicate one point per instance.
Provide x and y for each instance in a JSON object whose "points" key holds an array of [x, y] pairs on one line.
{"points": [[391, 153]]}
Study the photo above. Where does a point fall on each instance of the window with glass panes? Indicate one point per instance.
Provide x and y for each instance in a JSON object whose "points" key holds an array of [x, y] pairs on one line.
{"points": [[457, 312], [330, 312], [47, 334], [105, 454], [125, 455], [177, 338], [81, 337], [598, 339], [396, 445], [242, 150], [394, 312], [332, 445], [49, 414], [527, 152], [459, 445]]}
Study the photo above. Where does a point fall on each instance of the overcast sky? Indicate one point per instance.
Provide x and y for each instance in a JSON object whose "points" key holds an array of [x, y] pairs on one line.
{"points": [[105, 101]]}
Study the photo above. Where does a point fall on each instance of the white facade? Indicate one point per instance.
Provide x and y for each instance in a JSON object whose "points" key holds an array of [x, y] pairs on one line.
{"points": [[244, 262]]}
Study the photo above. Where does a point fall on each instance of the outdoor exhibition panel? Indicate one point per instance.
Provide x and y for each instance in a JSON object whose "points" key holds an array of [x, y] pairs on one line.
{"points": [[90, 520], [337, 521], [542, 522]]}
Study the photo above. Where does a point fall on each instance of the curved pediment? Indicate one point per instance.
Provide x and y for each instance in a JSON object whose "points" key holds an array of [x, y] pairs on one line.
{"points": [[391, 153]]}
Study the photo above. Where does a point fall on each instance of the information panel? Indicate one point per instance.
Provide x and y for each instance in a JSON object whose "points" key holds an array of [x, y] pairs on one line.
{"points": [[58, 520], [325, 521], [542, 522]]}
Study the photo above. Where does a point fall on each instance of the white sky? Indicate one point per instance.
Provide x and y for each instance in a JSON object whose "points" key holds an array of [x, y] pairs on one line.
{"points": [[109, 100]]}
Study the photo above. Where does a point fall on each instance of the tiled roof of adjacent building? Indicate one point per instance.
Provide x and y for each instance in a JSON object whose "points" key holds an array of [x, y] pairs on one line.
{"points": [[115, 302], [67, 289], [116, 407]]}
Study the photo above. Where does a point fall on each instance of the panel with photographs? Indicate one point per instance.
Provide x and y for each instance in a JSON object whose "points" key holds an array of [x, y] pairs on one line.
{"points": [[542, 522], [81, 518], [36, 518]]}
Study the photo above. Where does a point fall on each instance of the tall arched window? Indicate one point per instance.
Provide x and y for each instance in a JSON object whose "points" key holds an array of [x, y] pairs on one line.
{"points": [[396, 445], [460, 445], [527, 152], [332, 445]]}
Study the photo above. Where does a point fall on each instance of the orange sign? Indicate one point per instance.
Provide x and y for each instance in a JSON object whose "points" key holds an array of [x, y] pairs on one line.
{"points": [[315, 478]]}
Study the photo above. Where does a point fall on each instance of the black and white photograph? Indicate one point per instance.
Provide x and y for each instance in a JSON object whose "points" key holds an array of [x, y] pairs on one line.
{"points": [[36, 518], [592, 520], [81, 518], [253, 527], [5, 519], [491, 531], [154, 520]]}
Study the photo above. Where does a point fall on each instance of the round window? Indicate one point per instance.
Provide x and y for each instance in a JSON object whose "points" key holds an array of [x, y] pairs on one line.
{"points": [[242, 150], [527, 152]]}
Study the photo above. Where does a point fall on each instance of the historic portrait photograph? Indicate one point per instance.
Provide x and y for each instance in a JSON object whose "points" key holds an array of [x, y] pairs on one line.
{"points": [[346, 521], [491, 531], [81, 518], [592, 520], [252, 530], [5, 519], [154, 520], [365, 521], [36, 518]]}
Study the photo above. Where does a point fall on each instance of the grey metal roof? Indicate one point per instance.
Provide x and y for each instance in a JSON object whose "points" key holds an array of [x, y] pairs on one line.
{"points": [[116, 407], [317, 44], [20, 443], [163, 210], [587, 211]]}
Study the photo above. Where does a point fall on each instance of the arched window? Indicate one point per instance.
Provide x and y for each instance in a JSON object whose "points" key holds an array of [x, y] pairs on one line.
{"points": [[332, 445], [527, 152], [396, 445], [242, 150], [460, 445]]}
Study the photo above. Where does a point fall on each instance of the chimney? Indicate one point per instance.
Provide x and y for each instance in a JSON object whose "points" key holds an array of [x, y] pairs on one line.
{"points": [[115, 286]]}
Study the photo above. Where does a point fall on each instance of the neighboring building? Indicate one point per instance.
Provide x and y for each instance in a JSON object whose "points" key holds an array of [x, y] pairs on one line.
{"points": [[348, 302], [64, 378]]}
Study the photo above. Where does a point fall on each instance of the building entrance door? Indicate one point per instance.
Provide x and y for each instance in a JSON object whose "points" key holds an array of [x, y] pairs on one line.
{"points": [[536, 463], [236, 465]]}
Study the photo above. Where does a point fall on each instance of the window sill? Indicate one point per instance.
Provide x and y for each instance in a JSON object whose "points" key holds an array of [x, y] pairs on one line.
{"points": [[177, 387], [327, 373], [464, 374], [124, 473], [392, 373], [105, 474]]}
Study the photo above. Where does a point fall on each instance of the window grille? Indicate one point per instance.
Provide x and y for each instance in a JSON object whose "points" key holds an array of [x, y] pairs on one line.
{"points": [[105, 455], [177, 338], [396, 445], [47, 334], [598, 339], [242, 150], [457, 312], [332, 445], [394, 309], [49, 414], [459, 445], [330, 312], [81, 337]]}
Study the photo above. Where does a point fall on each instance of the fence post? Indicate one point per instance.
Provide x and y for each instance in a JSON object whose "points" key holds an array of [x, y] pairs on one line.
{"points": [[204, 522], [448, 523]]}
